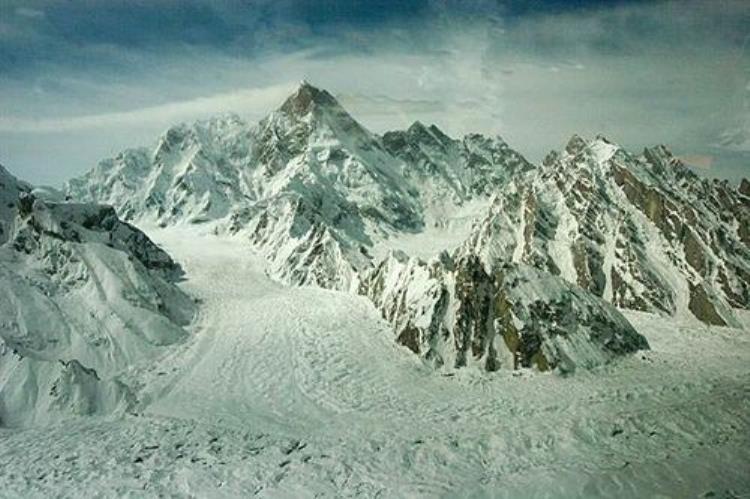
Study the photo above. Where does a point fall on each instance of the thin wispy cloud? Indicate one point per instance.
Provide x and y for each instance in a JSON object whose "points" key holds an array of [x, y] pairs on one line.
{"points": [[26, 12], [251, 102]]}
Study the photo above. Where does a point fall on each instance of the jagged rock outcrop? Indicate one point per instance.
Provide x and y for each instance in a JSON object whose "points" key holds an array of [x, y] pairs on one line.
{"points": [[745, 187], [642, 232], [457, 170], [10, 194], [454, 311], [84, 296]]}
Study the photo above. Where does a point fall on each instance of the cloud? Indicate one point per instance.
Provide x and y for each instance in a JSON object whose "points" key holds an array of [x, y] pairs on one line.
{"points": [[27, 12], [639, 72], [736, 139], [698, 161], [253, 102]]}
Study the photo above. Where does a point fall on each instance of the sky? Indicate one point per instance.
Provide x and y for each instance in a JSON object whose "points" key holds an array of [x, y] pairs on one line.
{"points": [[81, 80]]}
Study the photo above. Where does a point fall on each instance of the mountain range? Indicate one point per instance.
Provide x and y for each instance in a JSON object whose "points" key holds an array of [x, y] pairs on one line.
{"points": [[323, 198], [533, 263]]}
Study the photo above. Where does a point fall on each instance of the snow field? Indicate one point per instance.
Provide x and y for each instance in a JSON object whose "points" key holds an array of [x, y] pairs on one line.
{"points": [[298, 392]]}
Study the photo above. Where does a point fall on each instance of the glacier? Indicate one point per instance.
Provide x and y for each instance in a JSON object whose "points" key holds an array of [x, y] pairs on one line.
{"points": [[303, 308]]}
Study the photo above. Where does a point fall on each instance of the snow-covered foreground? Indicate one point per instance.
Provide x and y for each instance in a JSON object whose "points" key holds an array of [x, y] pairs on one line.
{"points": [[298, 392]]}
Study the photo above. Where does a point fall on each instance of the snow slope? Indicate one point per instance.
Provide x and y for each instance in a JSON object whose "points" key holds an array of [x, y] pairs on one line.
{"points": [[84, 297], [299, 392]]}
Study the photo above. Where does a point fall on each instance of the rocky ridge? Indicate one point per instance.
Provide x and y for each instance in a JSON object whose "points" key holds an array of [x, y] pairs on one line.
{"points": [[453, 311], [642, 232], [85, 296]]}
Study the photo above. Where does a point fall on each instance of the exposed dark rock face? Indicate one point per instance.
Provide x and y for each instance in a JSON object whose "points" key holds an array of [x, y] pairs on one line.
{"points": [[643, 233], [703, 306], [745, 187], [456, 312], [80, 223], [11, 192]]}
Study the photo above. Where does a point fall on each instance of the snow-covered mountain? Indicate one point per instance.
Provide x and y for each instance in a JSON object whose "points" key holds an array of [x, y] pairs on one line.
{"points": [[592, 224], [84, 298], [312, 188], [445, 169], [322, 198], [642, 232], [460, 250]]}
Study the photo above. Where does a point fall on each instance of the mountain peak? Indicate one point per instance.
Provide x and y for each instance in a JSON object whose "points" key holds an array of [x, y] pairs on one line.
{"points": [[430, 133], [306, 97], [600, 147], [575, 145], [417, 126]]}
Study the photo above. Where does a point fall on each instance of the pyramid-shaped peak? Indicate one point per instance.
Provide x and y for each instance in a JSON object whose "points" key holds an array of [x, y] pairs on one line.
{"points": [[306, 97], [600, 149], [417, 126], [575, 145], [418, 129]]}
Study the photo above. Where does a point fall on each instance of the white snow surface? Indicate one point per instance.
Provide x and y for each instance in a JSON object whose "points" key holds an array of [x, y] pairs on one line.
{"points": [[301, 392]]}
